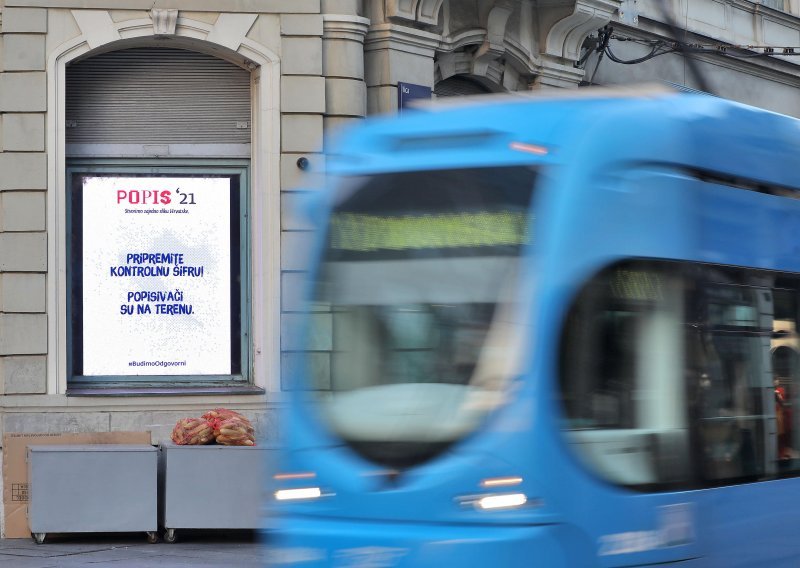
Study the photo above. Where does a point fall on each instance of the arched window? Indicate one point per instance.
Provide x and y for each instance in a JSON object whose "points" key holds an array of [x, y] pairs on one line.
{"points": [[158, 156]]}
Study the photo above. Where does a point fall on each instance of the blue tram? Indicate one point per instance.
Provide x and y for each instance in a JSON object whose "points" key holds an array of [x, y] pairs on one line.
{"points": [[551, 332]]}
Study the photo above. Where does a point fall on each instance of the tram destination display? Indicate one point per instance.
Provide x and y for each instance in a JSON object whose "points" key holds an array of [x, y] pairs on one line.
{"points": [[357, 232], [156, 286]]}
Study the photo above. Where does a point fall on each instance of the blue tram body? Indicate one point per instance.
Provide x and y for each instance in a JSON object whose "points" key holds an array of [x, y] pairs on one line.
{"points": [[646, 418]]}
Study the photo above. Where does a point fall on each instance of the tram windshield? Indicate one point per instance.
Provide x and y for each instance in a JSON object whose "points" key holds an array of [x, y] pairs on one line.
{"points": [[415, 307]]}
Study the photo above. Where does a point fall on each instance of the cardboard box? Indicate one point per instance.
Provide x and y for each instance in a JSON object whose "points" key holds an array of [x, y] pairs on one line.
{"points": [[15, 469]]}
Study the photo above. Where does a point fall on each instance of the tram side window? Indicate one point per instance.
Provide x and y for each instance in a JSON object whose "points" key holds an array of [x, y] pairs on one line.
{"points": [[784, 349], [622, 376], [678, 375], [734, 389]]}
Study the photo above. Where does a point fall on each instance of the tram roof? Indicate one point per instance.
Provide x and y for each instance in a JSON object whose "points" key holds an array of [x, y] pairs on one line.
{"points": [[649, 123]]}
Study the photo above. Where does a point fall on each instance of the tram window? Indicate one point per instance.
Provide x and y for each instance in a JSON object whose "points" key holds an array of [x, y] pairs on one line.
{"points": [[784, 349], [622, 376], [748, 349], [660, 364], [731, 408]]}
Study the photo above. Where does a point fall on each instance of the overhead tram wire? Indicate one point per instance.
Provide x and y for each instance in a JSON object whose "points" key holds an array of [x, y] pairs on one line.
{"points": [[602, 48], [601, 45], [661, 47]]}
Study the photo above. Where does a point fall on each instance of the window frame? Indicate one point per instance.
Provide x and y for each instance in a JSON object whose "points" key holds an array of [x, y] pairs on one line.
{"points": [[165, 167]]}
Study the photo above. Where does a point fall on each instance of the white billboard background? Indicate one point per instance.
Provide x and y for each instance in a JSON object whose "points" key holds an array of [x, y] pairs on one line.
{"points": [[114, 226]]}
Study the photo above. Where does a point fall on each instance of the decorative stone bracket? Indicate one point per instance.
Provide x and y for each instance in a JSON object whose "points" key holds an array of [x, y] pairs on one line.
{"points": [[565, 38], [494, 46], [164, 21], [499, 58], [421, 11]]}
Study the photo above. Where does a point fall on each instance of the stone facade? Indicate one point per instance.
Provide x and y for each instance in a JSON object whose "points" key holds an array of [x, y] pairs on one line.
{"points": [[281, 44], [316, 66], [519, 45]]}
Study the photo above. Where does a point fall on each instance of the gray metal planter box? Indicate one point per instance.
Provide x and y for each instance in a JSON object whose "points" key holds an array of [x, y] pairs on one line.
{"points": [[212, 487], [93, 488]]}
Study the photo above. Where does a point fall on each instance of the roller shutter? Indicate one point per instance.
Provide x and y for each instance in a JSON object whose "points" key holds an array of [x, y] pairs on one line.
{"points": [[157, 96]]}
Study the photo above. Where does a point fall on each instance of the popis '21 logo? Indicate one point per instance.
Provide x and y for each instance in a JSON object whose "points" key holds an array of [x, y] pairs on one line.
{"points": [[153, 197]]}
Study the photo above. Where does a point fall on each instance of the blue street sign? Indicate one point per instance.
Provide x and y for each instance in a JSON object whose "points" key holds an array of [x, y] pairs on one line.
{"points": [[407, 92]]}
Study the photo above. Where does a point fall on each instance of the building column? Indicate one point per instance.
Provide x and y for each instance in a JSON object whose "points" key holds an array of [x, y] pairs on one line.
{"points": [[343, 69]]}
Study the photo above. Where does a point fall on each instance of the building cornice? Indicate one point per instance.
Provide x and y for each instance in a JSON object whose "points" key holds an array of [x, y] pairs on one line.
{"points": [[401, 38]]}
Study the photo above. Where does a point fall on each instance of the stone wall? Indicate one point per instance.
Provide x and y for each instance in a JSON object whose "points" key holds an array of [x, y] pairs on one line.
{"points": [[283, 43], [23, 182]]}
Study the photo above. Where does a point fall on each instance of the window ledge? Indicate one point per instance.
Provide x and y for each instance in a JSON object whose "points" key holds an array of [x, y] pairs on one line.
{"points": [[115, 390]]}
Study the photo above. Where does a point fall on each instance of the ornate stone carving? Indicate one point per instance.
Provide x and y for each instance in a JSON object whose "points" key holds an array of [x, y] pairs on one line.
{"points": [[494, 45], [566, 36], [489, 50], [513, 43], [164, 21]]}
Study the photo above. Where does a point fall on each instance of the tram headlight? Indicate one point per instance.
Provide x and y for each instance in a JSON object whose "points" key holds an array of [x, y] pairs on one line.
{"points": [[298, 494], [504, 501], [497, 501], [308, 493]]}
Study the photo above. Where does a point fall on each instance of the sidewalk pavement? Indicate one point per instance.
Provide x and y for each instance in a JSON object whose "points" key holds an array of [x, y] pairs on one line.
{"points": [[226, 549]]}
